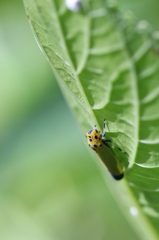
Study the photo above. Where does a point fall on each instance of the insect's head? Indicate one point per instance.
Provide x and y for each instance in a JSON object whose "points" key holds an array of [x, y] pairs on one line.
{"points": [[94, 138]]}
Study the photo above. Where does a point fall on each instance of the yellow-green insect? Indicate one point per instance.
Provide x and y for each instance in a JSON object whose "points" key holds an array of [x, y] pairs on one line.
{"points": [[100, 145]]}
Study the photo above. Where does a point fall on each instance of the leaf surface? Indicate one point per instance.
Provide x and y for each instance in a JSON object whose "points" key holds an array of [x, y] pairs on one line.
{"points": [[108, 66]]}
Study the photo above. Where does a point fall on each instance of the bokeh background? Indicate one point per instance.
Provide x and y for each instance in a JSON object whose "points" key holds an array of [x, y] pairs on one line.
{"points": [[50, 186]]}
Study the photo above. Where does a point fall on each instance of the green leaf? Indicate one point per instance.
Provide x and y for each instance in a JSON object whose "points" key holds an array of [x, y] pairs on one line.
{"points": [[107, 65]]}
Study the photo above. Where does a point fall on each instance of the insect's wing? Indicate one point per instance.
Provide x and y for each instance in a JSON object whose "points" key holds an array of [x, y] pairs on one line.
{"points": [[111, 162]]}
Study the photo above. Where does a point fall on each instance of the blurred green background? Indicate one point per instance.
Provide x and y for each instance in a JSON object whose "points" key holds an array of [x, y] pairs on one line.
{"points": [[50, 186]]}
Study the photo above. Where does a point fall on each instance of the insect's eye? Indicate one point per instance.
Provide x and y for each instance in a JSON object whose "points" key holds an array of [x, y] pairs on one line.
{"points": [[89, 132]]}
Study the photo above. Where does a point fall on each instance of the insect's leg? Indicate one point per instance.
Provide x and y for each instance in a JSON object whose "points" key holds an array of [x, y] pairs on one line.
{"points": [[119, 149], [106, 141]]}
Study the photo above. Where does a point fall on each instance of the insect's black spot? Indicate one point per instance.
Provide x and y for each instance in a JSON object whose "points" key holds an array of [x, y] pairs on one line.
{"points": [[99, 138], [96, 137], [89, 136], [95, 145], [90, 140], [96, 131]]}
